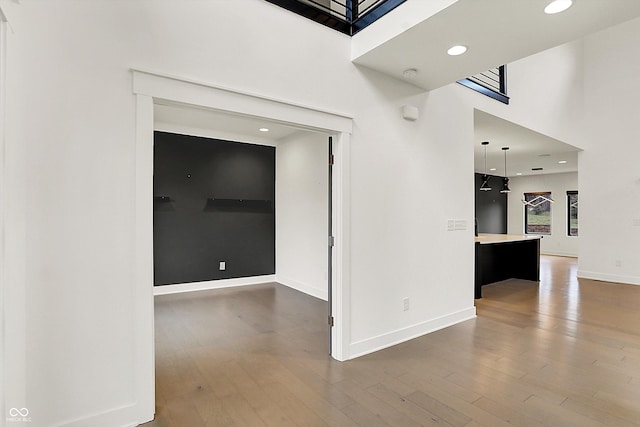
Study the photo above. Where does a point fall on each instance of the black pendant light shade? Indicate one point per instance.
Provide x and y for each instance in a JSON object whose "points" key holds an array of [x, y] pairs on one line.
{"points": [[485, 178], [505, 180], [505, 185], [485, 183]]}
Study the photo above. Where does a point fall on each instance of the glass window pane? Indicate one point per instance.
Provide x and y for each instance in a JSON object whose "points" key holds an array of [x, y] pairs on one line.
{"points": [[537, 213], [572, 209]]}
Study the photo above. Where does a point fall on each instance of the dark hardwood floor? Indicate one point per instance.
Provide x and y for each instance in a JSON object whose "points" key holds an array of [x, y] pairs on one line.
{"points": [[562, 353]]}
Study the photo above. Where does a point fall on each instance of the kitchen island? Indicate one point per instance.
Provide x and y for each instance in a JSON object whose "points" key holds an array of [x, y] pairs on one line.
{"points": [[506, 256]]}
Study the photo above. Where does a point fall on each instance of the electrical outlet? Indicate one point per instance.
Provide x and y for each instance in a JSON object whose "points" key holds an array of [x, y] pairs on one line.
{"points": [[405, 304], [223, 265]]}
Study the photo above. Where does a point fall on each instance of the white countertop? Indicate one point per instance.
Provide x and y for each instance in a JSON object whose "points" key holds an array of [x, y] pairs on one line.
{"points": [[485, 239]]}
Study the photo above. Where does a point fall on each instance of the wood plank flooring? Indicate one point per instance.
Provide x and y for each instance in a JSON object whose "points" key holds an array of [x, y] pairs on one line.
{"points": [[565, 352]]}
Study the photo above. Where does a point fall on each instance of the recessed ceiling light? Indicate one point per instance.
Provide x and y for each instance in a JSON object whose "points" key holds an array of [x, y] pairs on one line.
{"points": [[519, 173], [457, 50], [492, 169], [263, 130], [562, 162], [557, 6]]}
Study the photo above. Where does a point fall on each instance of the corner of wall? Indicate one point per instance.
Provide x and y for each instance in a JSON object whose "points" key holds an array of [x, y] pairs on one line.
{"points": [[322, 294], [390, 339]]}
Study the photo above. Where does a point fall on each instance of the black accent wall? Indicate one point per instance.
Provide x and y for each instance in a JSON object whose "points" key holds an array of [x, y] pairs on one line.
{"points": [[213, 201], [491, 206]]}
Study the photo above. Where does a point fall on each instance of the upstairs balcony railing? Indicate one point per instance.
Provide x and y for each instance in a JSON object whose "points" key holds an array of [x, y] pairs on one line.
{"points": [[346, 16], [492, 83]]}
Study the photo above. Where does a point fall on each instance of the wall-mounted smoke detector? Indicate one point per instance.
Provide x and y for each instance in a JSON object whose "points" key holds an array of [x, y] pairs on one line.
{"points": [[410, 73]]}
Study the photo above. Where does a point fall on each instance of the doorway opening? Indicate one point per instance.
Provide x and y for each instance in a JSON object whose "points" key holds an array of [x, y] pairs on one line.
{"points": [[154, 89]]}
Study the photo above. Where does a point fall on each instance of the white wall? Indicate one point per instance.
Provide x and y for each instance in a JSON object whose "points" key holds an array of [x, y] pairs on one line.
{"points": [[301, 213], [70, 154], [584, 93], [71, 145], [400, 246], [609, 171], [546, 93], [558, 243]]}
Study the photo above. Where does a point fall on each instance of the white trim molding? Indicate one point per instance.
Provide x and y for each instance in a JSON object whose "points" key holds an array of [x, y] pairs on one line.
{"points": [[13, 250], [390, 339], [341, 269], [213, 284], [606, 277], [143, 293], [322, 294], [152, 89], [3, 62], [165, 88], [118, 416]]}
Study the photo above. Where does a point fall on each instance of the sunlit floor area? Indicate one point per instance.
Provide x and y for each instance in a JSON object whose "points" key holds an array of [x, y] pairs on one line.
{"points": [[565, 352]]}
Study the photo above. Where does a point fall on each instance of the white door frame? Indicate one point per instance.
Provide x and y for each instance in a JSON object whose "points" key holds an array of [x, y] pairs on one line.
{"points": [[151, 88], [3, 301], [13, 355]]}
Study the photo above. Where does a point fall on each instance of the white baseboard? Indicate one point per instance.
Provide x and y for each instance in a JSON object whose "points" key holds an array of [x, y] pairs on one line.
{"points": [[322, 294], [212, 284], [380, 342], [124, 416], [606, 277]]}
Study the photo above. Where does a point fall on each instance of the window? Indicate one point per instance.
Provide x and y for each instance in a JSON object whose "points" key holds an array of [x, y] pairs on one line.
{"points": [[537, 214], [572, 213]]}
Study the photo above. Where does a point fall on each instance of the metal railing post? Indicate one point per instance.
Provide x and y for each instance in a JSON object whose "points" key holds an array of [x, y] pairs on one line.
{"points": [[352, 12], [503, 79]]}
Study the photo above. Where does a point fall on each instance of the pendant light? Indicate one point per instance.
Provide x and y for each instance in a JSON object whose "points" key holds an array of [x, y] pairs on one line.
{"points": [[485, 178], [505, 180]]}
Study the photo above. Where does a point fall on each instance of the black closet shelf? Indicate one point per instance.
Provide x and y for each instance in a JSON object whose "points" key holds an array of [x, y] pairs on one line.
{"points": [[239, 205]]}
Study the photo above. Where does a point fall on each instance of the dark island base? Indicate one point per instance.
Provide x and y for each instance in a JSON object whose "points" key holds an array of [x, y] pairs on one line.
{"points": [[506, 260]]}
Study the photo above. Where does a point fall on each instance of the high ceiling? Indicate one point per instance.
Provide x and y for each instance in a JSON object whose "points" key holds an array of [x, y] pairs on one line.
{"points": [[496, 32]]}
